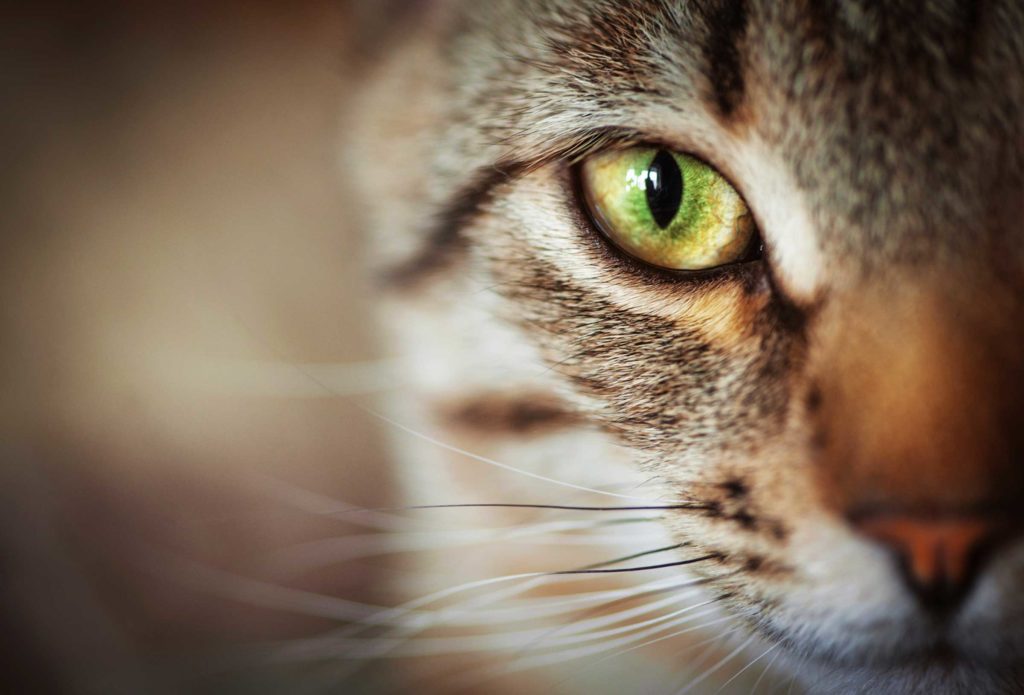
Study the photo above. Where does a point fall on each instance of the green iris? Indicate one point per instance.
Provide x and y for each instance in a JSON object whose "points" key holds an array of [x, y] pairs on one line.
{"points": [[666, 208]]}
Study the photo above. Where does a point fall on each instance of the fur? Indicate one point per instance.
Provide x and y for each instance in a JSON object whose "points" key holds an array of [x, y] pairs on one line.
{"points": [[869, 360]]}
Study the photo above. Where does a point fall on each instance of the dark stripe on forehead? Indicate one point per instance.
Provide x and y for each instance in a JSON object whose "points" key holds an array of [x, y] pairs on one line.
{"points": [[726, 22]]}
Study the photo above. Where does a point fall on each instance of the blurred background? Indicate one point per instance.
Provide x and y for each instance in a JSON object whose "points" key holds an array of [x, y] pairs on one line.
{"points": [[185, 336]]}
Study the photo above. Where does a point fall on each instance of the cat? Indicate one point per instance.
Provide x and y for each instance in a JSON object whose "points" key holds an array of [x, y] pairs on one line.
{"points": [[812, 442]]}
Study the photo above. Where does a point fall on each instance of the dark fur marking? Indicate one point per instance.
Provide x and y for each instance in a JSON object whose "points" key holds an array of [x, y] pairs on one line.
{"points": [[713, 510], [961, 55], [727, 24], [762, 566], [445, 236], [735, 488], [753, 563], [735, 507], [813, 399], [745, 519], [748, 564], [595, 344], [521, 413], [778, 530]]}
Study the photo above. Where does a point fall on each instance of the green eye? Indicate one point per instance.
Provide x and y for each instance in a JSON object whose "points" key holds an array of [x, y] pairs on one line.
{"points": [[667, 209]]}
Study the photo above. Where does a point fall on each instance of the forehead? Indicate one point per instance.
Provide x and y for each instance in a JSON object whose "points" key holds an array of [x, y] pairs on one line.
{"points": [[903, 121], [900, 123]]}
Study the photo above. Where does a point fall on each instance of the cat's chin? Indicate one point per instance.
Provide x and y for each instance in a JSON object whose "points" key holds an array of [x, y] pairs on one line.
{"points": [[851, 626], [937, 667], [912, 655], [936, 673]]}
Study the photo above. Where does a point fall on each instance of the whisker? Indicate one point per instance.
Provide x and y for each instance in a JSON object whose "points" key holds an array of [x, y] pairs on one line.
{"points": [[272, 595], [703, 558], [552, 659], [498, 464], [792, 683], [324, 552], [718, 664], [584, 625], [583, 652], [524, 610], [634, 556], [743, 670], [679, 633], [545, 606], [539, 576], [694, 506], [653, 587], [365, 648], [248, 590], [666, 637], [711, 646], [767, 670], [389, 615], [630, 598], [424, 622], [576, 628], [299, 380], [466, 615], [318, 504], [322, 382]]}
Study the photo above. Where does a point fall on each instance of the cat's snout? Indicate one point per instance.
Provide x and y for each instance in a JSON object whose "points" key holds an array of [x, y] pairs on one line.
{"points": [[918, 412], [939, 557]]}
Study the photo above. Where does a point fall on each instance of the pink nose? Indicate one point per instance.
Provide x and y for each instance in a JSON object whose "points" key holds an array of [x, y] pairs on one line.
{"points": [[938, 556]]}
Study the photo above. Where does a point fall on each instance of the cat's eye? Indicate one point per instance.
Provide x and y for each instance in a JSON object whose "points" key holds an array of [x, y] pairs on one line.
{"points": [[667, 209]]}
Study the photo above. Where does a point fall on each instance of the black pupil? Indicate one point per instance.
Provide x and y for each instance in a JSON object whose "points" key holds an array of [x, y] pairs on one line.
{"points": [[664, 188]]}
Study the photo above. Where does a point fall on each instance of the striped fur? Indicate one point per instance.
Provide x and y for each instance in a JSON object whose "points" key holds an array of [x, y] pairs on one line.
{"points": [[881, 149]]}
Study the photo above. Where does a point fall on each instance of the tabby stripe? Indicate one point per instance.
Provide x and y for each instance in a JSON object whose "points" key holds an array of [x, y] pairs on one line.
{"points": [[445, 235], [503, 413], [727, 26]]}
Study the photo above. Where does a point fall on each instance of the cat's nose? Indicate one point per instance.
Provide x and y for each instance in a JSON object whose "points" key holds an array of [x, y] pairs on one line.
{"points": [[938, 557]]}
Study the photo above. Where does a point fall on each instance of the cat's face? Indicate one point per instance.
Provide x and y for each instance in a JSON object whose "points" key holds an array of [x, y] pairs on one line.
{"points": [[845, 412]]}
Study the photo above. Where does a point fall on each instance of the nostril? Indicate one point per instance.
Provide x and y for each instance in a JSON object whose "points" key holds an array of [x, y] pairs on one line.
{"points": [[939, 557]]}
